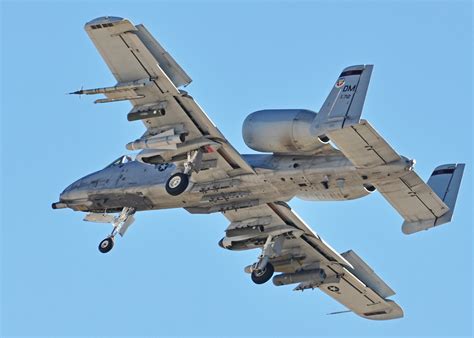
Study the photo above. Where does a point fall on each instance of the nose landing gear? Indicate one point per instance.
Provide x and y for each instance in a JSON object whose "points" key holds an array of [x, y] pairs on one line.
{"points": [[120, 225], [106, 244]]}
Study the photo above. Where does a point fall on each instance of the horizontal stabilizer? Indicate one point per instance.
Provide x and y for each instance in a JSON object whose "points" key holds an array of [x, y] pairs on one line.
{"points": [[363, 146], [444, 182]]}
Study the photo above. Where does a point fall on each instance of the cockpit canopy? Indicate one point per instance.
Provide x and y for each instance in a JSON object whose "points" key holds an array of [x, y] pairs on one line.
{"points": [[121, 160]]}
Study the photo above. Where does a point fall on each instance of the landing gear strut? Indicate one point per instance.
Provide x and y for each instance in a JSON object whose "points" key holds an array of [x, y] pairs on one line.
{"points": [[177, 183], [262, 271], [120, 224]]}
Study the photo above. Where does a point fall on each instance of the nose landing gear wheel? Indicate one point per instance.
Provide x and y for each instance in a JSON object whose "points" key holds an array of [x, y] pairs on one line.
{"points": [[177, 184], [264, 275], [106, 245]]}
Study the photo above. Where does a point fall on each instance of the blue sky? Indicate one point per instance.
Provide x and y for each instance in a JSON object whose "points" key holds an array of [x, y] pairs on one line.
{"points": [[167, 276]]}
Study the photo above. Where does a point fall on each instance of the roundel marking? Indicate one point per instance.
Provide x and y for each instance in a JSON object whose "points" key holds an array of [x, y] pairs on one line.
{"points": [[340, 82]]}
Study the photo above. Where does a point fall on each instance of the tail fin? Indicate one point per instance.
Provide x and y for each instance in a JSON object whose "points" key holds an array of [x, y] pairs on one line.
{"points": [[445, 182], [344, 104]]}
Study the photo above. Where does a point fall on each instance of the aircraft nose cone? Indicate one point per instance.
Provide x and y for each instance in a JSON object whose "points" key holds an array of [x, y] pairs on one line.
{"points": [[65, 196], [72, 193], [74, 196]]}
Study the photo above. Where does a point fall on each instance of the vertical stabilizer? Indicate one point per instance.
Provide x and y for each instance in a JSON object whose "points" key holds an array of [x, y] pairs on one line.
{"points": [[344, 104], [444, 182]]}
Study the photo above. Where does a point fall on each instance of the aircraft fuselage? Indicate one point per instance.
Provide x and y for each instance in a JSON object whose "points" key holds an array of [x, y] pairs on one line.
{"points": [[328, 177]]}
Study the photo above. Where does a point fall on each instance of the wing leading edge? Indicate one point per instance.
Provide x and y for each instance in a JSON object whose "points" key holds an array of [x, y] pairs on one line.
{"points": [[303, 257]]}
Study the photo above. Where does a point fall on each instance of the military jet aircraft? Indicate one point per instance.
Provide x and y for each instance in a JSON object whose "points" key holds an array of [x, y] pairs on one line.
{"points": [[184, 161]]}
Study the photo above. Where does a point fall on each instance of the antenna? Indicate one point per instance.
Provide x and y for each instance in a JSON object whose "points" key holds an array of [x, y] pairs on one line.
{"points": [[338, 312]]}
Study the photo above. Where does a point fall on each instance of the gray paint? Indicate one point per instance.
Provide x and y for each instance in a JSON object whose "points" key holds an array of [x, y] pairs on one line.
{"points": [[251, 190]]}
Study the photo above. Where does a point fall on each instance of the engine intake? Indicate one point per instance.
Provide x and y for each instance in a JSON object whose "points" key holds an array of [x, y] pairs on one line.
{"points": [[281, 131]]}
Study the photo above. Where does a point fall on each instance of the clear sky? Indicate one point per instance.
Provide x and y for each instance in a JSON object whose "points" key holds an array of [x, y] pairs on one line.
{"points": [[168, 276]]}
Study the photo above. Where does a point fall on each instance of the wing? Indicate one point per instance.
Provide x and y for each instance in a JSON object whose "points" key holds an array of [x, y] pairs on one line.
{"points": [[148, 77], [303, 257]]}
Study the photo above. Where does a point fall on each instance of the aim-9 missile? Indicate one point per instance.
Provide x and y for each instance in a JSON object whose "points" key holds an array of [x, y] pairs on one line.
{"points": [[124, 86]]}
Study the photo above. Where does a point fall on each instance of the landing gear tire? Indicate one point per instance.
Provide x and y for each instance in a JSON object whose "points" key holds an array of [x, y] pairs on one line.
{"points": [[264, 275], [177, 184], [106, 245]]}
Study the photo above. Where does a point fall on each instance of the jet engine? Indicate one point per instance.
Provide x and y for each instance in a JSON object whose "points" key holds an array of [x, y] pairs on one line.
{"points": [[281, 131]]}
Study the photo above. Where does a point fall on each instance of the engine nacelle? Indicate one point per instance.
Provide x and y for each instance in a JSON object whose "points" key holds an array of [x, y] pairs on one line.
{"points": [[281, 131]]}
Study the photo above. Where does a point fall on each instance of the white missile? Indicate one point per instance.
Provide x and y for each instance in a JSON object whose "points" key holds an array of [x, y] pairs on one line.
{"points": [[163, 141], [123, 86]]}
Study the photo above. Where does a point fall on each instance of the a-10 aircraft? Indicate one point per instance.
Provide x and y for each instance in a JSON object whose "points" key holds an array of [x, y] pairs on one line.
{"points": [[185, 162]]}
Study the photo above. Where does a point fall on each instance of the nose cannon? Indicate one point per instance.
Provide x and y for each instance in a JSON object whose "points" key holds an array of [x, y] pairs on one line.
{"points": [[59, 205]]}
